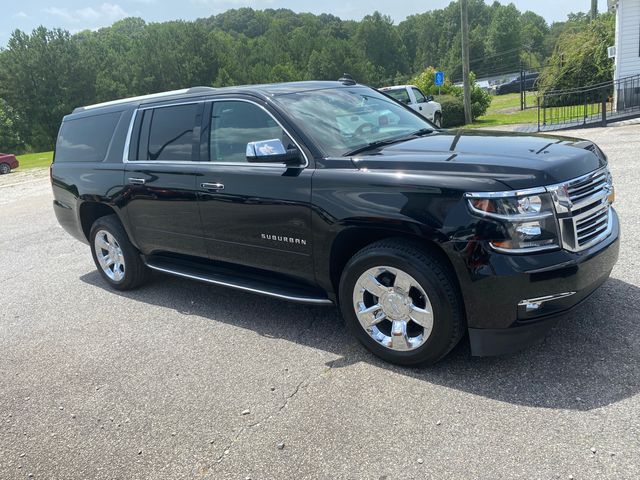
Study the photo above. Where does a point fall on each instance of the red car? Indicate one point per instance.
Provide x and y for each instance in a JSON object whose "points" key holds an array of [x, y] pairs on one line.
{"points": [[8, 162]]}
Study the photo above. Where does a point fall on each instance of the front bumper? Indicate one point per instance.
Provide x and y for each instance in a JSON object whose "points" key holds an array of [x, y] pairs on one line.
{"points": [[498, 321]]}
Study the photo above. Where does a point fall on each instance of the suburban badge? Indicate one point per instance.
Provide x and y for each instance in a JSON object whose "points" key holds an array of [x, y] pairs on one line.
{"points": [[283, 239]]}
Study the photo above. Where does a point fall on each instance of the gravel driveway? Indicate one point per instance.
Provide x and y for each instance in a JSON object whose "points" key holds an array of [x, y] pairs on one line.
{"points": [[185, 380]]}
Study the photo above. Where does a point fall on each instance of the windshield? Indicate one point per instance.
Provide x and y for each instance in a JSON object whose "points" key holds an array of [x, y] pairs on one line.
{"points": [[342, 120]]}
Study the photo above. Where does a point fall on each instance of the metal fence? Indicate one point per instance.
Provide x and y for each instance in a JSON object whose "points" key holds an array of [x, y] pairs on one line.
{"points": [[589, 105]]}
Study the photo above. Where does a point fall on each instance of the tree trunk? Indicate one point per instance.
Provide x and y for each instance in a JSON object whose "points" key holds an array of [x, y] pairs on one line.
{"points": [[594, 9]]}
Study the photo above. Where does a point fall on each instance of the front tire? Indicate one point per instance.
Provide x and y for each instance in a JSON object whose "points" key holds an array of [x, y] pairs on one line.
{"points": [[4, 168], [437, 120], [116, 259], [402, 303]]}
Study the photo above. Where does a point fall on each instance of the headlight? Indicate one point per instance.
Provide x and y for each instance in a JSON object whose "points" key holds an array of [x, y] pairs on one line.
{"points": [[528, 219]]}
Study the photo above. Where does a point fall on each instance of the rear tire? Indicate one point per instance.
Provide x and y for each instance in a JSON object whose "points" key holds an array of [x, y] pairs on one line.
{"points": [[420, 316], [117, 260], [4, 168]]}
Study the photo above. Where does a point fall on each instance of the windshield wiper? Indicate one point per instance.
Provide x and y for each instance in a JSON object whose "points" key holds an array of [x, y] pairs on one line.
{"points": [[422, 132], [383, 143]]}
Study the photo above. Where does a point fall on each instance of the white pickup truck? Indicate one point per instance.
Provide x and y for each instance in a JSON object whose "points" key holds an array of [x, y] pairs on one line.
{"points": [[412, 96]]}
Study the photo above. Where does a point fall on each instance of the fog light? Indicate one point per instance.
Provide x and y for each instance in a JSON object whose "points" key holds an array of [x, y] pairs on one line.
{"points": [[534, 304]]}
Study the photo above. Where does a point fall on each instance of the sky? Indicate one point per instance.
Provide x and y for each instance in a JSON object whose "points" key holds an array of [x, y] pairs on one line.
{"points": [[77, 15]]}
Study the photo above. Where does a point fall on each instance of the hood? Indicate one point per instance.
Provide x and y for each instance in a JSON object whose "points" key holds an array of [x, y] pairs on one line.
{"points": [[517, 160]]}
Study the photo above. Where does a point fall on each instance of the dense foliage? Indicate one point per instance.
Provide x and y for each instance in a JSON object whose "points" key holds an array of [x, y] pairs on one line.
{"points": [[580, 57], [45, 74], [9, 137]]}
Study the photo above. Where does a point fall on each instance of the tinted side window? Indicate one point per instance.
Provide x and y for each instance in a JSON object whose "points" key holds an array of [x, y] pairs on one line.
{"points": [[419, 96], [170, 134], [86, 139], [401, 95], [234, 124]]}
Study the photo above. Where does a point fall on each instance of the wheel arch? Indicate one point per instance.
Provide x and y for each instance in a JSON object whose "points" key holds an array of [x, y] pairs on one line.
{"points": [[90, 211], [351, 240]]}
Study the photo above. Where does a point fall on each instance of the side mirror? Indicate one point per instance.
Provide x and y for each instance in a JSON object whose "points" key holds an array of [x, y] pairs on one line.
{"points": [[429, 98], [272, 151]]}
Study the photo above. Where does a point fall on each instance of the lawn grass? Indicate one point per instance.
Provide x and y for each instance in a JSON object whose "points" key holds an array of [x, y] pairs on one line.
{"points": [[510, 101], [505, 110], [35, 160]]}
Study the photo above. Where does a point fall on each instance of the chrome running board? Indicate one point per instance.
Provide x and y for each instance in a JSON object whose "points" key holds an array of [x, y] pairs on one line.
{"points": [[226, 278]]}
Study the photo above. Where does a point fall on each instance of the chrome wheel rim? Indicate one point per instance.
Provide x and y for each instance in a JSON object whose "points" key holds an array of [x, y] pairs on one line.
{"points": [[110, 256], [393, 308], [4, 168]]}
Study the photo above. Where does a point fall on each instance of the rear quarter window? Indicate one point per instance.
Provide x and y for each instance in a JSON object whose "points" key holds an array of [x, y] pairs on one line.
{"points": [[170, 133], [86, 139]]}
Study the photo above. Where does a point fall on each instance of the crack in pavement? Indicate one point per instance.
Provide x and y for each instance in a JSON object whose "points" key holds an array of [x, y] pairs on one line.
{"points": [[17, 275], [244, 428], [300, 386]]}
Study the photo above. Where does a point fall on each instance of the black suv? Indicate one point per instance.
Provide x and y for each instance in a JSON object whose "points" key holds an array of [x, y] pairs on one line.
{"points": [[334, 193], [514, 86]]}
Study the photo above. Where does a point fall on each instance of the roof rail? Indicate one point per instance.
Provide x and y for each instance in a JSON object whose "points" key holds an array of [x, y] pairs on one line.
{"points": [[201, 89], [135, 99]]}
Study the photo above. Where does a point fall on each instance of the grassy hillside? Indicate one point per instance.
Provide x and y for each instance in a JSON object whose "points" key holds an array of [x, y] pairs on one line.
{"points": [[35, 160]]}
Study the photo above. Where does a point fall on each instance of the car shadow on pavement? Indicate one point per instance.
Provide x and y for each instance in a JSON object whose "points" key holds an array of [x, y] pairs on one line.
{"points": [[589, 360]]}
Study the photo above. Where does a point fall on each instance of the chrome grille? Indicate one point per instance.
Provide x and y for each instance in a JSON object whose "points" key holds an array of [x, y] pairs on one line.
{"points": [[583, 208], [585, 189], [591, 227]]}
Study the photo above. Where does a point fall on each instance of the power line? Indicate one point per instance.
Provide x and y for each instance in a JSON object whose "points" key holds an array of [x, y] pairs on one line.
{"points": [[498, 54]]}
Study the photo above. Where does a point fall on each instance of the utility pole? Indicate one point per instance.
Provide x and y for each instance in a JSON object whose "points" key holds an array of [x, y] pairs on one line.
{"points": [[594, 9], [464, 20]]}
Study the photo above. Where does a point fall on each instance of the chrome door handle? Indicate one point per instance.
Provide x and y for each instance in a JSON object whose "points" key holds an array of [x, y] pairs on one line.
{"points": [[137, 181], [212, 186]]}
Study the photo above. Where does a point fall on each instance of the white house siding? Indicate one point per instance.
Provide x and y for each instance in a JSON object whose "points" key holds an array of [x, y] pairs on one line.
{"points": [[627, 66], [627, 38]]}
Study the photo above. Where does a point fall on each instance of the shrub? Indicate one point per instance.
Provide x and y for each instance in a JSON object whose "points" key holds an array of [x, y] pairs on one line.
{"points": [[452, 110], [480, 98]]}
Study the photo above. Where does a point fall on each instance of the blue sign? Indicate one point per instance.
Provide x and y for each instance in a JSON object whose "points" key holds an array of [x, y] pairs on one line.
{"points": [[439, 79]]}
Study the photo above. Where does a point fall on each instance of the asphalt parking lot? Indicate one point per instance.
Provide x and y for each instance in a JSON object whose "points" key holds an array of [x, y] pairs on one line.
{"points": [[185, 380]]}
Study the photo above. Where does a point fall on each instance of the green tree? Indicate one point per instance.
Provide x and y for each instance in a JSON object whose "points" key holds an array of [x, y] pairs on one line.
{"points": [[382, 46], [534, 30], [503, 39], [10, 140], [580, 58], [41, 78]]}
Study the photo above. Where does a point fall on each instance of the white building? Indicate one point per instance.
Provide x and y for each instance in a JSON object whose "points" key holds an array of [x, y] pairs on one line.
{"points": [[627, 51], [627, 37]]}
